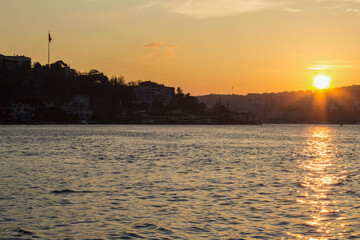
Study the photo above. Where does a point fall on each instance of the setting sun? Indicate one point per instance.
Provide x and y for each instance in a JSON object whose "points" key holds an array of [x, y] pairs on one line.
{"points": [[321, 81]]}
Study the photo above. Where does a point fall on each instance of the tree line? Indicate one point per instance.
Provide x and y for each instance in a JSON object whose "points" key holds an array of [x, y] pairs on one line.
{"points": [[110, 98]]}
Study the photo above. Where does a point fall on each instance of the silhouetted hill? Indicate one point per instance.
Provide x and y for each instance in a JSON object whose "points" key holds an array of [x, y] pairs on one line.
{"points": [[58, 93], [337, 105]]}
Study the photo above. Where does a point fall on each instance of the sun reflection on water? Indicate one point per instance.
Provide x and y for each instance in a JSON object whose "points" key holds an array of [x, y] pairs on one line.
{"points": [[321, 174]]}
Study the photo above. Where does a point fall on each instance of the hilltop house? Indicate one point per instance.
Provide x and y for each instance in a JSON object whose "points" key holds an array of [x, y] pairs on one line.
{"points": [[14, 62], [149, 92]]}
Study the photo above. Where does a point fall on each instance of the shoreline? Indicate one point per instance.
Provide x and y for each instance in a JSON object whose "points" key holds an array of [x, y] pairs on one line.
{"points": [[178, 124]]}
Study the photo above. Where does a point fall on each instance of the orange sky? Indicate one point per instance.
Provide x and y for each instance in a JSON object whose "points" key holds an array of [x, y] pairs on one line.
{"points": [[203, 46]]}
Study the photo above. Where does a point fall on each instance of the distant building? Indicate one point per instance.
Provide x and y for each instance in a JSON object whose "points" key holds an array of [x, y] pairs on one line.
{"points": [[69, 72], [244, 117], [15, 62], [150, 92], [356, 105], [63, 68], [22, 112], [79, 106], [5, 114]]}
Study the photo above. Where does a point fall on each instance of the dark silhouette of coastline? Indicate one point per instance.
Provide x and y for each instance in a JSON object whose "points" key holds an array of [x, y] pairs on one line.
{"points": [[43, 94], [333, 106]]}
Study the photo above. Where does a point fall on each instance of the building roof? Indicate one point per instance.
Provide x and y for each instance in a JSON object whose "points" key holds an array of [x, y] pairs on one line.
{"points": [[150, 83], [15, 57]]}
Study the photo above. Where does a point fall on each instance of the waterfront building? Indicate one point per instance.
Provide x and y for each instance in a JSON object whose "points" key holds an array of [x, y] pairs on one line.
{"points": [[22, 112], [79, 106], [149, 92], [5, 114]]}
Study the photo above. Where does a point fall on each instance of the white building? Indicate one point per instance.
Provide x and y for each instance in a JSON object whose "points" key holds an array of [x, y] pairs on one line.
{"points": [[14, 62], [149, 92]]}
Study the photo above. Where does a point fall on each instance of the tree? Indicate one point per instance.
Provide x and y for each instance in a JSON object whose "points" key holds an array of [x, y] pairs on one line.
{"points": [[179, 91]]}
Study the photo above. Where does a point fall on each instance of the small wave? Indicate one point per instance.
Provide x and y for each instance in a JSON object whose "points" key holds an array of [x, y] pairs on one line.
{"points": [[7, 198], [24, 231], [158, 206], [164, 230], [126, 235], [68, 191], [260, 237], [197, 229], [177, 200], [283, 223], [65, 202], [227, 204], [351, 192], [147, 197], [145, 225]]}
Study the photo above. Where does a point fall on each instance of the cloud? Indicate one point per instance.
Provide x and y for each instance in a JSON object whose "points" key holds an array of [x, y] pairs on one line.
{"points": [[292, 10], [342, 1], [355, 11], [159, 50], [146, 5], [202, 9], [218, 8], [321, 65], [170, 51], [154, 45], [338, 3]]}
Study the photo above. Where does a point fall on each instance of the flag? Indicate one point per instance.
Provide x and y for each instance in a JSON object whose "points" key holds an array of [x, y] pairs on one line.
{"points": [[50, 38]]}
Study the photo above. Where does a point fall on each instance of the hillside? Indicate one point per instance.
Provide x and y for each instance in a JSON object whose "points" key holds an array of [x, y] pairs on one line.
{"points": [[336, 105]]}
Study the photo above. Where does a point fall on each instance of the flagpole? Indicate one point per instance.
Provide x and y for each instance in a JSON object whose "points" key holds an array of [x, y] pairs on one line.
{"points": [[49, 49]]}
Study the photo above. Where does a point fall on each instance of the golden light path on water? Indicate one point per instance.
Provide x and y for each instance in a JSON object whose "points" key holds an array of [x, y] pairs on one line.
{"points": [[321, 174]]}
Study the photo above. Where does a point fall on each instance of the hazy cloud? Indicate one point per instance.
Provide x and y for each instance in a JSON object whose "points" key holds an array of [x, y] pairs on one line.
{"points": [[352, 10], [170, 51], [154, 45], [218, 8], [338, 3], [320, 67], [292, 10], [159, 50], [211, 8], [355, 11], [202, 9], [331, 64], [147, 5], [342, 1]]}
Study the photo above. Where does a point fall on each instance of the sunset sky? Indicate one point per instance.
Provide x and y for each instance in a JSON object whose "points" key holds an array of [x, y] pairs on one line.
{"points": [[203, 46]]}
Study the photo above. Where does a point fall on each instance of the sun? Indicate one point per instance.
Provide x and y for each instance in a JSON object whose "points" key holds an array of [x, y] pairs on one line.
{"points": [[321, 81]]}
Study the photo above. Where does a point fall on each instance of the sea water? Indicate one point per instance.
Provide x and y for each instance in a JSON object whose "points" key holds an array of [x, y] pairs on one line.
{"points": [[179, 182]]}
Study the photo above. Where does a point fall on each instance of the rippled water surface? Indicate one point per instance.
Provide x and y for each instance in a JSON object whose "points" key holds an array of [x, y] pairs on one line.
{"points": [[180, 182]]}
